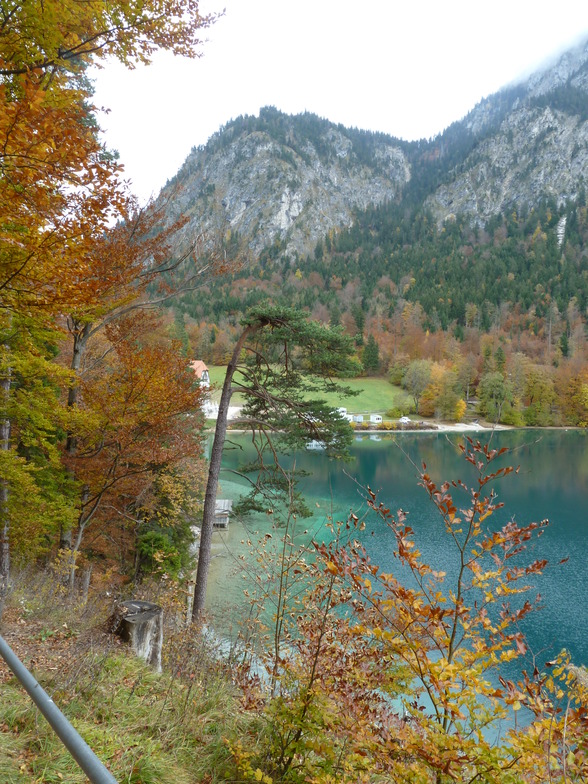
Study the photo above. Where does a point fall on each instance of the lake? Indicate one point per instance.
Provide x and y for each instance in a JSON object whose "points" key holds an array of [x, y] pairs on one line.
{"points": [[552, 483]]}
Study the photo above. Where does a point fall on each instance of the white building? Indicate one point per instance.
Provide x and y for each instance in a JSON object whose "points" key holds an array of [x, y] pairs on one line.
{"points": [[201, 372]]}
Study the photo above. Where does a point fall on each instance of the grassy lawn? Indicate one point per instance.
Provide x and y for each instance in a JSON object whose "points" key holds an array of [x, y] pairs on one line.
{"points": [[217, 378], [376, 395]]}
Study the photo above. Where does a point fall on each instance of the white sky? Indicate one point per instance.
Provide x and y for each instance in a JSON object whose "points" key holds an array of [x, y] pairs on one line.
{"points": [[405, 67]]}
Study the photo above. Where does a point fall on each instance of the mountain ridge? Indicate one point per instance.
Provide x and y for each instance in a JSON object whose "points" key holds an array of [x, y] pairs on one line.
{"points": [[276, 179], [544, 124], [285, 181]]}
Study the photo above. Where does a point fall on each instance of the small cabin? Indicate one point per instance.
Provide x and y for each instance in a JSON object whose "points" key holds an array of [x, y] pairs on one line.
{"points": [[201, 372], [375, 419], [222, 511], [358, 418]]}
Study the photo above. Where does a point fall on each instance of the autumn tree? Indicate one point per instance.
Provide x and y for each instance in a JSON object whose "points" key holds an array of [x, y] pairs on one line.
{"points": [[281, 364], [59, 189], [326, 707], [36, 495], [467, 374], [57, 194], [132, 424], [539, 396], [48, 37], [572, 389], [133, 268], [448, 404], [554, 747], [496, 395], [416, 379], [61, 192]]}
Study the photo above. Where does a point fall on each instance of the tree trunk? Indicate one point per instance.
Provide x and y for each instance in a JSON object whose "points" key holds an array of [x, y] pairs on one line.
{"points": [[86, 577], [80, 338], [328, 355], [83, 521], [5, 383], [141, 624], [204, 552]]}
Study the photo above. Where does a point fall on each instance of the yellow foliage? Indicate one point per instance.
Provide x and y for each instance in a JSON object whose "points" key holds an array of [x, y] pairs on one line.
{"points": [[460, 409]]}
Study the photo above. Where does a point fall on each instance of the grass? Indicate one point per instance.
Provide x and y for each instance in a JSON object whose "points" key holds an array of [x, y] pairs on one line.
{"points": [[147, 728], [375, 395]]}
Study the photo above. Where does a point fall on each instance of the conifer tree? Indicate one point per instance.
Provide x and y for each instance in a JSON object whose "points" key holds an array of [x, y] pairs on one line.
{"points": [[371, 356], [281, 364]]}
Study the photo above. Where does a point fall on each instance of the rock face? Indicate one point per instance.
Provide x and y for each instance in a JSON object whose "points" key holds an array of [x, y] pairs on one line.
{"points": [[283, 183], [546, 156], [538, 151], [285, 180]]}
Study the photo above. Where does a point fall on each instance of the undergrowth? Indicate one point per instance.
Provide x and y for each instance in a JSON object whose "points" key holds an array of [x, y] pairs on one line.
{"points": [[147, 728]]}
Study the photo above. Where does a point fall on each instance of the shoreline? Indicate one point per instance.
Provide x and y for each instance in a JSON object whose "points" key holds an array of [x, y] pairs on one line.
{"points": [[418, 426], [422, 426]]}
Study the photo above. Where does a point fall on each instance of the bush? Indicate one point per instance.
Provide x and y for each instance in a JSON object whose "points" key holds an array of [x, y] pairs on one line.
{"points": [[402, 408], [513, 417], [158, 553], [386, 425]]}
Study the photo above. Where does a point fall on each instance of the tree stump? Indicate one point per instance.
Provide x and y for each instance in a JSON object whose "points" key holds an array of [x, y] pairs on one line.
{"points": [[141, 624]]}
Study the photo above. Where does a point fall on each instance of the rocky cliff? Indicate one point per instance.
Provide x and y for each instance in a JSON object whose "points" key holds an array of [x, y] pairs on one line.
{"points": [[285, 182], [538, 150]]}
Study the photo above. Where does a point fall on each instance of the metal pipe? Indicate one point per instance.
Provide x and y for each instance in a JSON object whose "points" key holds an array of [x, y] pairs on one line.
{"points": [[72, 740]]}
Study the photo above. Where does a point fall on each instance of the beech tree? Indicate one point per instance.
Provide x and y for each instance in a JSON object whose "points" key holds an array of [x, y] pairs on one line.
{"points": [[496, 395], [36, 496], [133, 269], [281, 363], [59, 189], [60, 193], [52, 35], [132, 424], [416, 379]]}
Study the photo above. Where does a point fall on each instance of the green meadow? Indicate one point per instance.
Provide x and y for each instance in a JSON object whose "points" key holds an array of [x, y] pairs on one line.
{"points": [[374, 395]]}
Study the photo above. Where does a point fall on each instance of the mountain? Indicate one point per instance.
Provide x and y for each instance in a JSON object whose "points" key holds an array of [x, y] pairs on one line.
{"points": [[285, 180], [531, 146], [484, 227]]}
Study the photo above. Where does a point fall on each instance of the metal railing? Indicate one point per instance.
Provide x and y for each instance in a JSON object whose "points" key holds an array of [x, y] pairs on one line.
{"points": [[72, 740]]}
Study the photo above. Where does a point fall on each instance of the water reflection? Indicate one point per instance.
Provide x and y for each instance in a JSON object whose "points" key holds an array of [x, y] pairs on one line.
{"points": [[552, 483]]}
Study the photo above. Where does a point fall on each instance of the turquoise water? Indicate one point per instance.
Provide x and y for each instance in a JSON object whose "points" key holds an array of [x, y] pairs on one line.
{"points": [[552, 483]]}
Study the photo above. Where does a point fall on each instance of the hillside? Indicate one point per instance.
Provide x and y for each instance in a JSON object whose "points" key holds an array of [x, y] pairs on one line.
{"points": [[288, 181], [499, 196], [474, 241]]}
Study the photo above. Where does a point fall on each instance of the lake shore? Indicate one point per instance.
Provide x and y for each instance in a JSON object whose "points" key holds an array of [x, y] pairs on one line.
{"points": [[420, 426], [435, 426]]}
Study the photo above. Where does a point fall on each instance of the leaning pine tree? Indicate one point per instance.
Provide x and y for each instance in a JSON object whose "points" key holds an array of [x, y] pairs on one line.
{"points": [[284, 363]]}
